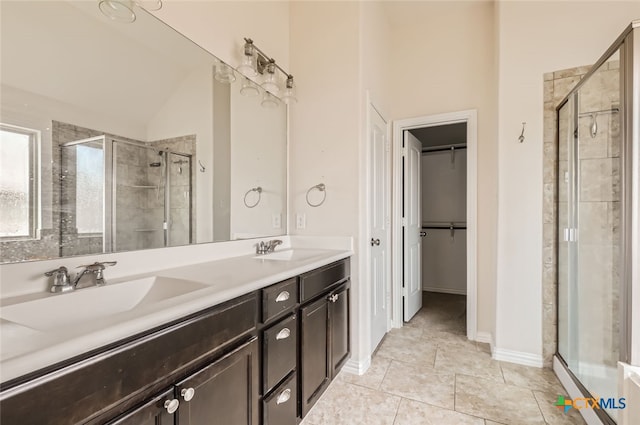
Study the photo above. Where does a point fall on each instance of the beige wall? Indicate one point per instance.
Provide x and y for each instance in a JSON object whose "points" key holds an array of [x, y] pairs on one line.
{"points": [[442, 57]]}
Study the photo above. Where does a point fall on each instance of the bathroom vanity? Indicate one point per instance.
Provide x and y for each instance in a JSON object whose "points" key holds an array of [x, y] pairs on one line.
{"points": [[263, 354]]}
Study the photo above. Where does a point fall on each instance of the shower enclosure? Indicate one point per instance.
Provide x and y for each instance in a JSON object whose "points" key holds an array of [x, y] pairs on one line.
{"points": [[118, 195], [597, 182]]}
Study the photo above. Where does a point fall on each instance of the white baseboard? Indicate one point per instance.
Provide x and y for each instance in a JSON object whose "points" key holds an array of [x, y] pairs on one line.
{"points": [[357, 367], [486, 338], [444, 290], [573, 391], [518, 357]]}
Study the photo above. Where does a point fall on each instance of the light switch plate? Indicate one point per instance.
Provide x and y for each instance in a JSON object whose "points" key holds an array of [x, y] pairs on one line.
{"points": [[301, 221]]}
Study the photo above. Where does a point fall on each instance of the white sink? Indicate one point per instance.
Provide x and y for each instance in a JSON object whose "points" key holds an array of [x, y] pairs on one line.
{"points": [[95, 303], [292, 255]]}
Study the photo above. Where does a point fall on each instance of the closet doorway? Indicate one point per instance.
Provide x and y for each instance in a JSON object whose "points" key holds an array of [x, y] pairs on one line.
{"points": [[435, 198]]}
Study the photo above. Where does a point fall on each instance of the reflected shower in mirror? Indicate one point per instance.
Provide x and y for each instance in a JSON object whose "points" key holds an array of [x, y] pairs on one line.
{"points": [[122, 139]]}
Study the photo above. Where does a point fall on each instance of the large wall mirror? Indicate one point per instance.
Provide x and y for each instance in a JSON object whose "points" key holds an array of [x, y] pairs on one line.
{"points": [[117, 137]]}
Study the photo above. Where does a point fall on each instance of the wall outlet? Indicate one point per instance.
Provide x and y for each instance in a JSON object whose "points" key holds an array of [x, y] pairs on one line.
{"points": [[301, 221], [276, 221]]}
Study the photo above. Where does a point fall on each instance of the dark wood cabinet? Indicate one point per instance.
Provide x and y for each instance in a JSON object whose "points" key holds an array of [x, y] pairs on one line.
{"points": [[225, 392], [153, 412], [339, 328], [324, 330], [315, 374], [215, 366]]}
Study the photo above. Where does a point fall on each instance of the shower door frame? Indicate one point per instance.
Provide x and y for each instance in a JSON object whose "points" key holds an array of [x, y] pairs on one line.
{"points": [[167, 191], [628, 44], [108, 190]]}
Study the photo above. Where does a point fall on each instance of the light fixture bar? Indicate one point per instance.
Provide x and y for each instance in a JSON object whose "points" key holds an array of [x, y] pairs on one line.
{"points": [[264, 59]]}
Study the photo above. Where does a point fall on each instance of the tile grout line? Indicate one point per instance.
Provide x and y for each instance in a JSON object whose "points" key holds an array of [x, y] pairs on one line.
{"points": [[539, 408]]}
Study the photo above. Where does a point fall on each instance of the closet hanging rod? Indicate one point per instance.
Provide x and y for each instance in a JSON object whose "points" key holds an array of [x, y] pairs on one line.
{"points": [[444, 226], [444, 148], [602, 111]]}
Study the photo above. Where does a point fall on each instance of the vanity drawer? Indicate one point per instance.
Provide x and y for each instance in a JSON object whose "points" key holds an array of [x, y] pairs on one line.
{"points": [[280, 408], [318, 281], [279, 351], [279, 298]]}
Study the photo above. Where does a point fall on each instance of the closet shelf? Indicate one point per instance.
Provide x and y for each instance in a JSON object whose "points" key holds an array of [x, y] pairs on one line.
{"points": [[147, 230], [141, 186], [441, 225]]}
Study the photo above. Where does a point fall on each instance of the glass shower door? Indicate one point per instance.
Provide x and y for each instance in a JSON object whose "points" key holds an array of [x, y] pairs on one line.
{"points": [[590, 223], [178, 214]]}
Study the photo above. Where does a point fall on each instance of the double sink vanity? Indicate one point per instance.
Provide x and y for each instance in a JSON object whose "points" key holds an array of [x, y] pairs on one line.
{"points": [[251, 339]]}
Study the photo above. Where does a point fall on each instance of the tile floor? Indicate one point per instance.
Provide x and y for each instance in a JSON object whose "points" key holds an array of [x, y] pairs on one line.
{"points": [[428, 373]]}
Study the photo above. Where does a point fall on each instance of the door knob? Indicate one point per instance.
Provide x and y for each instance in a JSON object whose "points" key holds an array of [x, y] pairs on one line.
{"points": [[187, 393], [423, 233], [171, 406], [375, 242]]}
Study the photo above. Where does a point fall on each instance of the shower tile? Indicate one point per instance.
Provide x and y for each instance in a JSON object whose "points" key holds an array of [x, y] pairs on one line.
{"points": [[600, 180], [547, 76], [572, 72], [469, 363], [503, 403], [413, 413], [596, 226], [593, 147], [549, 131], [548, 91], [420, 384], [562, 87]]}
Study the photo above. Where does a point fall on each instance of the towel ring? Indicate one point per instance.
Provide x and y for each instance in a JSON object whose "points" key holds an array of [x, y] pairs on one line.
{"points": [[255, 189], [322, 188]]}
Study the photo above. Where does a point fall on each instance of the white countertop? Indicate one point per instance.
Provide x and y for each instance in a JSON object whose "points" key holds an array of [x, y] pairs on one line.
{"points": [[24, 350]]}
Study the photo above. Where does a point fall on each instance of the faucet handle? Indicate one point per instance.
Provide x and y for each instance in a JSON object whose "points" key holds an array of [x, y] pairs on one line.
{"points": [[97, 266], [61, 280], [61, 275]]}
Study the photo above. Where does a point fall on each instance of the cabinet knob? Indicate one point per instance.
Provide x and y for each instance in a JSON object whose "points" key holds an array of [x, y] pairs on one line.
{"points": [[187, 393], [282, 296], [333, 298], [283, 334], [284, 396], [171, 406]]}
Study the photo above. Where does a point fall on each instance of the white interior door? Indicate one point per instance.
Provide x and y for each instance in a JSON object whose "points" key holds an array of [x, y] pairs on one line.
{"points": [[412, 223], [380, 223]]}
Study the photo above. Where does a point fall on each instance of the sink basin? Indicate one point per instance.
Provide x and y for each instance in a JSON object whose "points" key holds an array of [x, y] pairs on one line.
{"points": [[292, 255], [95, 303]]}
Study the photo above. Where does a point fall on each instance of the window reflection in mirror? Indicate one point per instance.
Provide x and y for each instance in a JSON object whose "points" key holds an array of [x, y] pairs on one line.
{"points": [[108, 106]]}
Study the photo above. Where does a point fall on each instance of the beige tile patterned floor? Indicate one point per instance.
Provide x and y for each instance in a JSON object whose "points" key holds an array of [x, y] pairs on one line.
{"points": [[428, 373]]}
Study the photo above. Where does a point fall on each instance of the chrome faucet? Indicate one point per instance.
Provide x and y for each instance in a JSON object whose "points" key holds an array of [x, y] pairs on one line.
{"points": [[62, 280], [265, 248]]}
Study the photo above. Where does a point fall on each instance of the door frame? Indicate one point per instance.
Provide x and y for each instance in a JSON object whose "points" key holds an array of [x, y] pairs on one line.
{"points": [[471, 118]]}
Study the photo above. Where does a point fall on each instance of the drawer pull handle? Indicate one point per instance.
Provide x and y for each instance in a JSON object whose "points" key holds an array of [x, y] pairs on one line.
{"points": [[284, 396], [187, 393], [282, 296], [171, 406], [283, 334]]}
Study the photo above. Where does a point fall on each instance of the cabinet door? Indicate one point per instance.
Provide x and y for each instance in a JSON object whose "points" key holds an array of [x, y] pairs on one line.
{"points": [[314, 370], [225, 392], [152, 412], [339, 329]]}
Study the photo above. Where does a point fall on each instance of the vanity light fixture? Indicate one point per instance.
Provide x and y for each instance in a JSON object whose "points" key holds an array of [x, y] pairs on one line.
{"points": [[249, 88], [269, 101], [254, 62], [224, 73], [124, 10]]}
